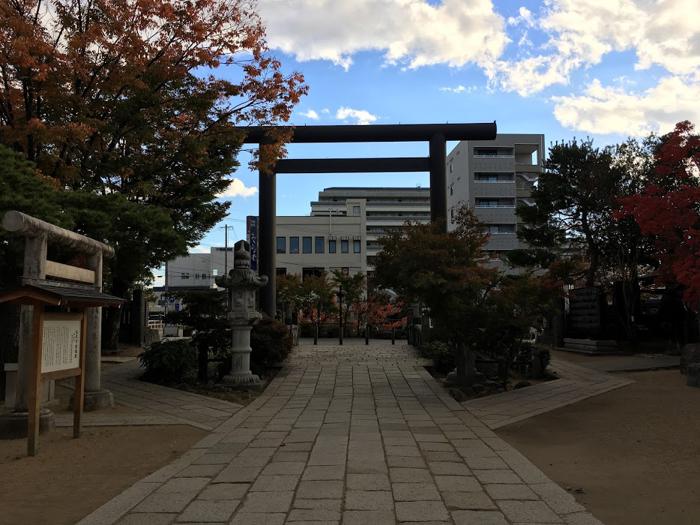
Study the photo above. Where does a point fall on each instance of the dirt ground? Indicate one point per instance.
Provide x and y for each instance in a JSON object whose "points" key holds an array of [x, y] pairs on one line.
{"points": [[633, 453], [72, 477]]}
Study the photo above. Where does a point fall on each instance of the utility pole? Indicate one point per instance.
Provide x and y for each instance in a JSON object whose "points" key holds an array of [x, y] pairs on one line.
{"points": [[225, 249]]}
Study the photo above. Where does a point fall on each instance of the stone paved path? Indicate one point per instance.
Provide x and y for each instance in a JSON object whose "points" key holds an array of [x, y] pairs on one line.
{"points": [[576, 383], [365, 437], [153, 404]]}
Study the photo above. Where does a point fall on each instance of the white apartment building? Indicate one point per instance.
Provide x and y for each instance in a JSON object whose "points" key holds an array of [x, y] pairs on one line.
{"points": [[312, 245], [381, 210], [492, 178]]}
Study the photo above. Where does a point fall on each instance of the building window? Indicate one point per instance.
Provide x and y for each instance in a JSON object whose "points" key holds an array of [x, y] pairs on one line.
{"points": [[320, 244], [494, 177], [294, 245], [356, 211], [281, 245], [281, 271], [496, 229], [332, 245], [494, 203], [493, 152], [344, 246], [312, 272], [184, 275], [356, 246], [306, 245]]}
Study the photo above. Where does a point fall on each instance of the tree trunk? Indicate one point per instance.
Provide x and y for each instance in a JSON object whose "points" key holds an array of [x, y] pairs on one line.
{"points": [[466, 365], [112, 319]]}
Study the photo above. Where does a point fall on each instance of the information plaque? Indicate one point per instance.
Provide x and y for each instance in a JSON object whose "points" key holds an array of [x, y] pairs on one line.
{"points": [[60, 342]]}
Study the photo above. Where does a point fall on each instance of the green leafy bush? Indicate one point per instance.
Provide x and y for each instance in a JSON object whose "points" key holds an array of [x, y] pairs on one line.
{"points": [[442, 355], [271, 343], [169, 362]]}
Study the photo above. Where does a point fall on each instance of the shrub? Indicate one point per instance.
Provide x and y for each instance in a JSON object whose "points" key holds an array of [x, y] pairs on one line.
{"points": [[169, 362], [270, 342], [442, 355]]}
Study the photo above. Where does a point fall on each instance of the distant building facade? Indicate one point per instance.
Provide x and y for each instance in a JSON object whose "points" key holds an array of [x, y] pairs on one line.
{"points": [[492, 178], [381, 210]]}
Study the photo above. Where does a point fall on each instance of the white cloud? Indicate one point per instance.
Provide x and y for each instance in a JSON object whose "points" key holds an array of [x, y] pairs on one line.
{"points": [[609, 109], [360, 116], [581, 32], [458, 89], [310, 114], [524, 17], [237, 188], [411, 32], [325, 111], [201, 248]]}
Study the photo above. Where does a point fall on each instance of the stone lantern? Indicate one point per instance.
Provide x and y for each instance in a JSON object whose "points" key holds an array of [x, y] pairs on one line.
{"points": [[241, 285]]}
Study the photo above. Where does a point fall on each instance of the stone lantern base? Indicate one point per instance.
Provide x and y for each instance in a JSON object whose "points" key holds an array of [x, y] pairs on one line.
{"points": [[244, 381]]}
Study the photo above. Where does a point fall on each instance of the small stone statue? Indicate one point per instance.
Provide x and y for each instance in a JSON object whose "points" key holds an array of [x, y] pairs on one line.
{"points": [[241, 284]]}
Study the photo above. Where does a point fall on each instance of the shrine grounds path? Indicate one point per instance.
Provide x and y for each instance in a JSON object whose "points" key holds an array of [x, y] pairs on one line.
{"points": [[352, 435]]}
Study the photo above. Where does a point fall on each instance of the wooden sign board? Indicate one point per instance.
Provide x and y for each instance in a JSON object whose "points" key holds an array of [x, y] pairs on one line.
{"points": [[61, 342]]}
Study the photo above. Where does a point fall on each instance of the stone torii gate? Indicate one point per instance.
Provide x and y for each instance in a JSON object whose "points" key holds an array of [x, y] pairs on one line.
{"points": [[436, 135]]}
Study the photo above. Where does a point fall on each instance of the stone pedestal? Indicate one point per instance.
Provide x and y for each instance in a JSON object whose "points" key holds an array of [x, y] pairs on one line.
{"points": [[694, 375], [13, 425], [240, 375]]}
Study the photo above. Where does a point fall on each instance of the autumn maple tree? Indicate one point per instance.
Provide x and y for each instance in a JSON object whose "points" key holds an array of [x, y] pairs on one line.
{"points": [[138, 108], [668, 209]]}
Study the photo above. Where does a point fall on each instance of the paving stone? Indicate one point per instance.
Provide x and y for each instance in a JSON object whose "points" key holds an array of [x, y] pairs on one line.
{"points": [[274, 483], [198, 471], [165, 502], [402, 451], [369, 500], [367, 517], [368, 482], [449, 468], [486, 463], [528, 512], [320, 489], [217, 491], [415, 491], [258, 518], [236, 474], [269, 502], [147, 519], [473, 517], [209, 511], [320, 504], [497, 476], [183, 485], [457, 483], [468, 500], [324, 472], [284, 468], [581, 518], [513, 492], [409, 462], [410, 475], [421, 511]]}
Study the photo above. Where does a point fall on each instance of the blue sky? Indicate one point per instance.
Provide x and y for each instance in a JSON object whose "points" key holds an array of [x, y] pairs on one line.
{"points": [[601, 68]]}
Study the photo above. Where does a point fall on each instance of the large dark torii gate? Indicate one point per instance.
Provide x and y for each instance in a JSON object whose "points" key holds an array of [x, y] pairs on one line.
{"points": [[436, 134]]}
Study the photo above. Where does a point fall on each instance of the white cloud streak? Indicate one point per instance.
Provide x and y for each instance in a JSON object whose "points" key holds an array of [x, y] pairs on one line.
{"points": [[458, 89], [310, 114], [237, 188], [357, 116], [610, 109]]}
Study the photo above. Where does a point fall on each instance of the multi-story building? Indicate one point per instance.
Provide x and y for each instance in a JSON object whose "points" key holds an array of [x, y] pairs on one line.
{"points": [[380, 209], [312, 245], [492, 178]]}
